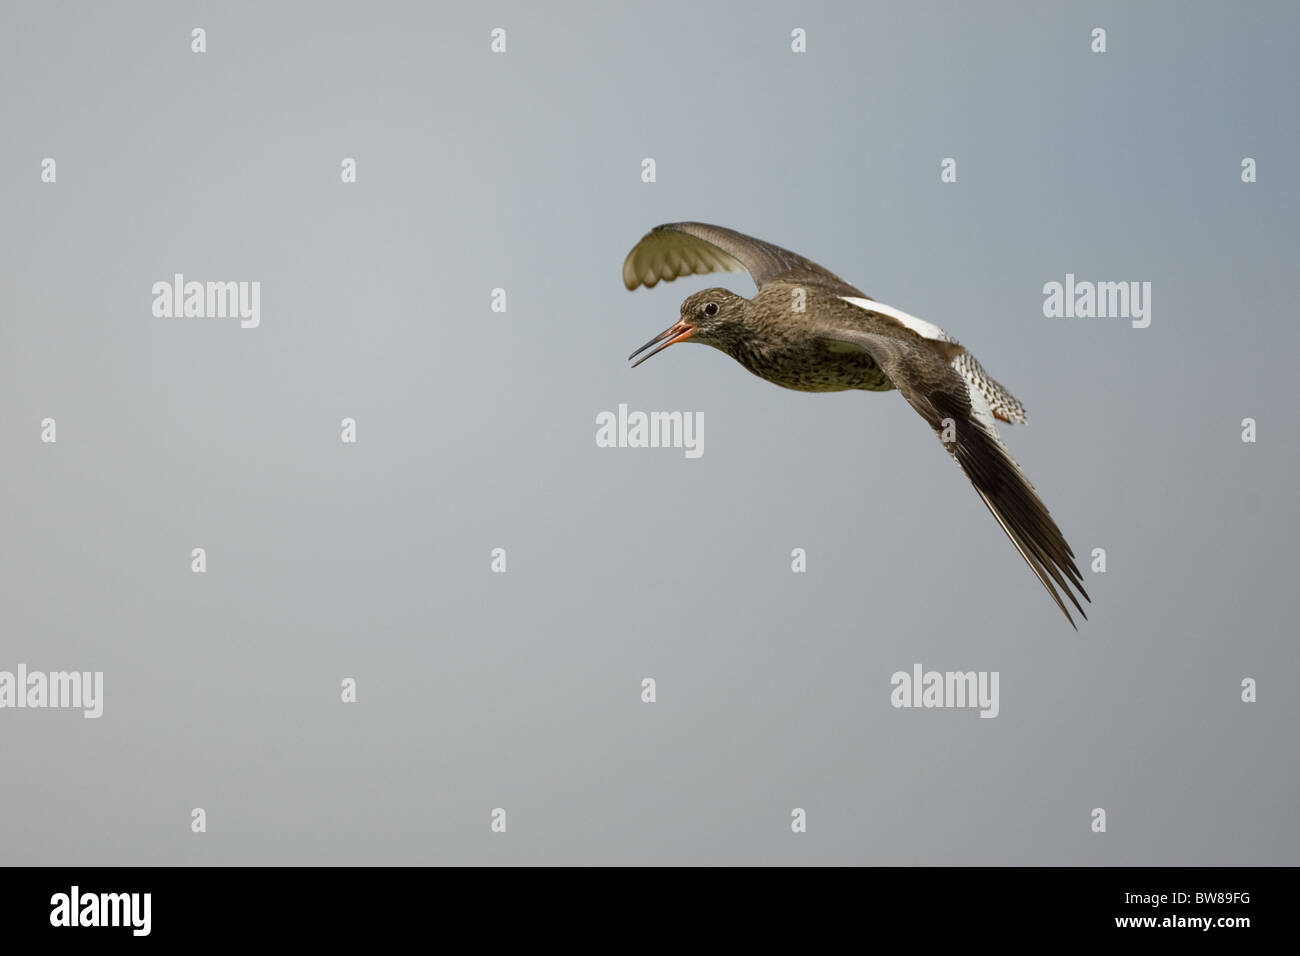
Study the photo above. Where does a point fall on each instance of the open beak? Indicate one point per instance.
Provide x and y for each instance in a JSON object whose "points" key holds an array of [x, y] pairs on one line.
{"points": [[678, 333]]}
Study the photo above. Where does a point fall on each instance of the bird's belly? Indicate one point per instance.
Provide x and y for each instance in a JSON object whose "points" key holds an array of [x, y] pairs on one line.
{"points": [[821, 370]]}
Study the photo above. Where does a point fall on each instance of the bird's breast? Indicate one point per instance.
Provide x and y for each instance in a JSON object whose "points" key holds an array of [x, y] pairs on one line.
{"points": [[807, 365]]}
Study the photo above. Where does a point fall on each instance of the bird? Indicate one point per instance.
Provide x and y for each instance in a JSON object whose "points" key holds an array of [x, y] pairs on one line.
{"points": [[807, 329]]}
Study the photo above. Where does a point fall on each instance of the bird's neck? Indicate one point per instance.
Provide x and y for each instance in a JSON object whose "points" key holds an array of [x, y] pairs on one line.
{"points": [[749, 349], [752, 343]]}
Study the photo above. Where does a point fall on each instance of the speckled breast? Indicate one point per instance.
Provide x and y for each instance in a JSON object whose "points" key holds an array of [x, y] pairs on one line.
{"points": [[815, 368]]}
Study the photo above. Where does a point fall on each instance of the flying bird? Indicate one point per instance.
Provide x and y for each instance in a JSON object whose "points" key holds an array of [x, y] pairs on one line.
{"points": [[807, 329]]}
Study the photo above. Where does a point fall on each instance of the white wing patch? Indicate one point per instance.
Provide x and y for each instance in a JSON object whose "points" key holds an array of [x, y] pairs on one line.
{"points": [[921, 327], [989, 399]]}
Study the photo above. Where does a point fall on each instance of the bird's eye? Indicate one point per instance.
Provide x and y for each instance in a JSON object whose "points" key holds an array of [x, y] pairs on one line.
{"points": [[711, 309]]}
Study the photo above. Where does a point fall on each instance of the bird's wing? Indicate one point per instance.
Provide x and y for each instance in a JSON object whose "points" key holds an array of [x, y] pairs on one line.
{"points": [[930, 380], [1005, 406], [695, 248]]}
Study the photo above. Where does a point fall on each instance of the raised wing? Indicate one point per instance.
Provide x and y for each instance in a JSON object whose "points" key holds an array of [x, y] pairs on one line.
{"points": [[695, 248], [963, 420]]}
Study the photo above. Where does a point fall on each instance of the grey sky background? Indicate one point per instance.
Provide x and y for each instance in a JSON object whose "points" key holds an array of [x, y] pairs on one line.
{"points": [[476, 430]]}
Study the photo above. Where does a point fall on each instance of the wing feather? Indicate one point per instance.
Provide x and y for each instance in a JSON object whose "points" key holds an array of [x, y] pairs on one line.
{"points": [[941, 394], [678, 249]]}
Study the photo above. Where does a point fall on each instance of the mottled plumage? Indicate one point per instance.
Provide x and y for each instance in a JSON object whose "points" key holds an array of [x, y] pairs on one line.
{"points": [[809, 330]]}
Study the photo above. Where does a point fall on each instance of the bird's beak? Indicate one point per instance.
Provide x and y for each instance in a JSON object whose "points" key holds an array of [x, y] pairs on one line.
{"points": [[678, 333]]}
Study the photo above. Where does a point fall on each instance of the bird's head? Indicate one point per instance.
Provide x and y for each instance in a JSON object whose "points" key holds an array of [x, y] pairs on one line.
{"points": [[712, 317]]}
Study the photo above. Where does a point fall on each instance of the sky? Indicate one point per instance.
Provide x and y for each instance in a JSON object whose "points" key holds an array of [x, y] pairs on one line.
{"points": [[372, 561]]}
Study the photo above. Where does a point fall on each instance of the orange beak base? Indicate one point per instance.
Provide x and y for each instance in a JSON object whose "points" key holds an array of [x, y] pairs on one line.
{"points": [[677, 333]]}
